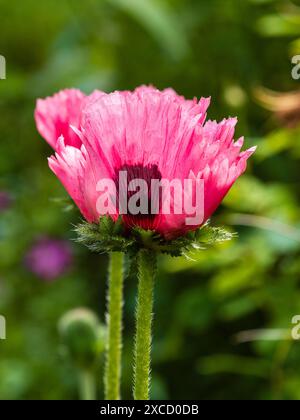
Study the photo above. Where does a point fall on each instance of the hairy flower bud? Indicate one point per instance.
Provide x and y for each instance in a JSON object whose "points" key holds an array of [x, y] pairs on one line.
{"points": [[83, 337]]}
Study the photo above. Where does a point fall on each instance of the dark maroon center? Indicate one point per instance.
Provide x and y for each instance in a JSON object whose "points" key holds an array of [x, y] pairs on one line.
{"points": [[147, 173]]}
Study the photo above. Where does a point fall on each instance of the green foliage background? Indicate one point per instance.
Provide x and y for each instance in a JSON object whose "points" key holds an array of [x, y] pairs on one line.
{"points": [[218, 48]]}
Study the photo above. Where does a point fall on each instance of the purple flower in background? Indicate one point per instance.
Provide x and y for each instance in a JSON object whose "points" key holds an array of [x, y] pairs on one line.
{"points": [[49, 258], [5, 200]]}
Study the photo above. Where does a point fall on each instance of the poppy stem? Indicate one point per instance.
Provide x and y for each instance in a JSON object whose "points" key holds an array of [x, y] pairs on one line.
{"points": [[114, 324], [147, 266], [87, 385]]}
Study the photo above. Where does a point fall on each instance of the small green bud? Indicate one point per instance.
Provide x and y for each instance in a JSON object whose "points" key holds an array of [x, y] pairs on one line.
{"points": [[83, 337]]}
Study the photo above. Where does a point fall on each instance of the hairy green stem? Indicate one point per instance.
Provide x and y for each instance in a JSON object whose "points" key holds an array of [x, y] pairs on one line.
{"points": [[87, 385], [147, 266], [114, 323]]}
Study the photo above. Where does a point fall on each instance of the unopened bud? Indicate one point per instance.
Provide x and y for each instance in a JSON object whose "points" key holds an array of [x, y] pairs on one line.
{"points": [[83, 336]]}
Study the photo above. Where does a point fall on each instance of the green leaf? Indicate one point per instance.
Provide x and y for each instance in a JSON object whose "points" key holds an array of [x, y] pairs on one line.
{"points": [[224, 363], [160, 21], [279, 25]]}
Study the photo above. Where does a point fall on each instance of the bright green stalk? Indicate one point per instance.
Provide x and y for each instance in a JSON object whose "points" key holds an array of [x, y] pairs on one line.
{"points": [[114, 323], [147, 266]]}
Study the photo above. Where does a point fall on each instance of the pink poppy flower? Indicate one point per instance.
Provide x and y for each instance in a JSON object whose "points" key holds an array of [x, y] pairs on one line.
{"points": [[151, 134]]}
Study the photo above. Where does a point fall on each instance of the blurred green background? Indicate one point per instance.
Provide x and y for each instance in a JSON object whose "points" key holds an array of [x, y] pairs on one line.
{"points": [[231, 50]]}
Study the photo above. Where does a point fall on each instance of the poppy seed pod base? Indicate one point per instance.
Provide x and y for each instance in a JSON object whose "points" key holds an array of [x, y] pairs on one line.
{"points": [[111, 236]]}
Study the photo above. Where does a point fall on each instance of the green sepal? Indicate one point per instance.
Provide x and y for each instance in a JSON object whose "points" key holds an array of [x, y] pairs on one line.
{"points": [[104, 237], [111, 236]]}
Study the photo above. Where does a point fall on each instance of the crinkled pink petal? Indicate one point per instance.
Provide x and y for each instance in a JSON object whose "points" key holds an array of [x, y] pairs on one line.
{"points": [[146, 126], [69, 165], [55, 115], [60, 115]]}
